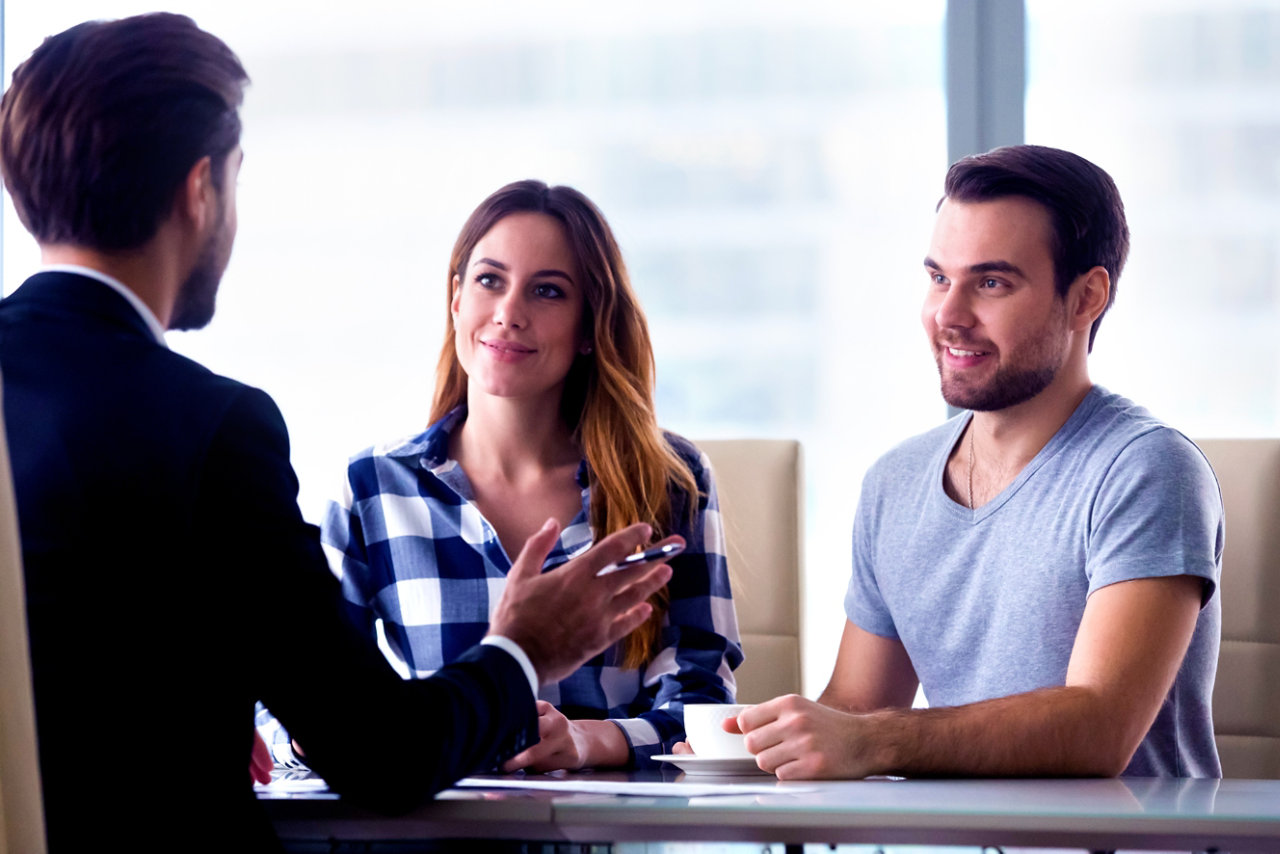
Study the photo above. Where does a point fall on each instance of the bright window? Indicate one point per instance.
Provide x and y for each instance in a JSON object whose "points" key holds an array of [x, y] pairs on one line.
{"points": [[770, 170], [1178, 101]]}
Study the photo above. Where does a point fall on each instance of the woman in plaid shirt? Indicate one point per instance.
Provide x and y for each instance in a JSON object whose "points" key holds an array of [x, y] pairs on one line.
{"points": [[543, 408]]}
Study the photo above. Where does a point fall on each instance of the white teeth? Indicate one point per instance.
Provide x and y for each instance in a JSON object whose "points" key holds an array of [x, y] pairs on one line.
{"points": [[961, 353]]}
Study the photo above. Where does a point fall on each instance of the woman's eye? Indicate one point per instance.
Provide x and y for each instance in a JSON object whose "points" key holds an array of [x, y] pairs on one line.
{"points": [[548, 291], [487, 280]]}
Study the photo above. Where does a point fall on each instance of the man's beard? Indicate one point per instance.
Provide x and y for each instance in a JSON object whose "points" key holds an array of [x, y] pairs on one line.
{"points": [[194, 306], [1031, 367], [1007, 388]]}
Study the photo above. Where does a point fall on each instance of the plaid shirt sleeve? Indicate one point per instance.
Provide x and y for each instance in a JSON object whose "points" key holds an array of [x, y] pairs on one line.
{"points": [[699, 642]]}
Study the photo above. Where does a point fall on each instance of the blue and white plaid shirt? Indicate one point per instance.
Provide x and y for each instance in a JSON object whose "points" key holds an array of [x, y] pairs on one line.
{"points": [[423, 570]]}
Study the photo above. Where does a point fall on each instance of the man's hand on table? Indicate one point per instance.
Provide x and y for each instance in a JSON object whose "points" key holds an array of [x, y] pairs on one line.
{"points": [[798, 739]]}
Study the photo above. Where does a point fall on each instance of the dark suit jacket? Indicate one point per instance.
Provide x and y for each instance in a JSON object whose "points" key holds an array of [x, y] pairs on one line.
{"points": [[172, 582]]}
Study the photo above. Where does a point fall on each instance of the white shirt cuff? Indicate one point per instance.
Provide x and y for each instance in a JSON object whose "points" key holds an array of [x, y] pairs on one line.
{"points": [[514, 650]]}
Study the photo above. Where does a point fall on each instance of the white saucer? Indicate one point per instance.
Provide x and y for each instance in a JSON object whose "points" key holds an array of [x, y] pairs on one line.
{"points": [[690, 764]]}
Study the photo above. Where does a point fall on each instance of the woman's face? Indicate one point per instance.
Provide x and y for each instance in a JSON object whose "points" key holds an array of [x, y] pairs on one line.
{"points": [[518, 309]]}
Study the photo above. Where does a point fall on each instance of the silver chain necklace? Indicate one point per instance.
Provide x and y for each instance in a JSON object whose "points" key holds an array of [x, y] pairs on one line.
{"points": [[971, 440]]}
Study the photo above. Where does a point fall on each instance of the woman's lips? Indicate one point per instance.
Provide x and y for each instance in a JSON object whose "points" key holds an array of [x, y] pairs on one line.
{"points": [[507, 349]]}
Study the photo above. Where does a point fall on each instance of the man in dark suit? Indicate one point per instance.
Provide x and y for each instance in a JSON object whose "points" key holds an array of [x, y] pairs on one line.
{"points": [[157, 506]]}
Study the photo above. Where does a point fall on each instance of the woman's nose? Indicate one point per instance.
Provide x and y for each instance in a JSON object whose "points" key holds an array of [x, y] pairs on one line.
{"points": [[509, 311]]}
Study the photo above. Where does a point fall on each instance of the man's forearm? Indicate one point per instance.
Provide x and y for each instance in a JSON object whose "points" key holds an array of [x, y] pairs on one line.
{"points": [[1068, 731]]}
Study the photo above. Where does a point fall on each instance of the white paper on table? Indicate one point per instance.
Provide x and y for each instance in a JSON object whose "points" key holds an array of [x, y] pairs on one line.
{"points": [[621, 787], [314, 784]]}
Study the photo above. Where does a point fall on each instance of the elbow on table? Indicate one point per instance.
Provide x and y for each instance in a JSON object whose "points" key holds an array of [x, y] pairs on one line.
{"points": [[1107, 751], [1105, 764]]}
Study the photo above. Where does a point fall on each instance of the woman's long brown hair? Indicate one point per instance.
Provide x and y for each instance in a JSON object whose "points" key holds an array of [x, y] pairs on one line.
{"points": [[608, 395]]}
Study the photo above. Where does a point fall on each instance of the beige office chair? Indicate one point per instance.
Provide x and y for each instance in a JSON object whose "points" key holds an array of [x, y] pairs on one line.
{"points": [[21, 807], [759, 484], [1246, 698]]}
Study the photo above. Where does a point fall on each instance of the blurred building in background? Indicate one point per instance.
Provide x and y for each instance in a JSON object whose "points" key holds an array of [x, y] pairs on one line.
{"points": [[771, 172]]}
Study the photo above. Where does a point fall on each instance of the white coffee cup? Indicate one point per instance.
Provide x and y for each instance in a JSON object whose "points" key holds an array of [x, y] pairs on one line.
{"points": [[706, 737]]}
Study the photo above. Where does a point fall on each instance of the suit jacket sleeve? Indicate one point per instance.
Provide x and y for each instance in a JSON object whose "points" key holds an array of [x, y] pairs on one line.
{"points": [[329, 685]]}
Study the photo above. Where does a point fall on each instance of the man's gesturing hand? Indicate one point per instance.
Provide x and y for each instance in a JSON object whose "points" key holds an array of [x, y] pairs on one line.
{"points": [[562, 618]]}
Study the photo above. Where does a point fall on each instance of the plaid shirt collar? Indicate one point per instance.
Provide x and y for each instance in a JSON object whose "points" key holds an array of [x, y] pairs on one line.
{"points": [[429, 451]]}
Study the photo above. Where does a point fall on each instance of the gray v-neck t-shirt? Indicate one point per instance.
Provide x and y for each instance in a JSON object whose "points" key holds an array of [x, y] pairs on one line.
{"points": [[987, 602]]}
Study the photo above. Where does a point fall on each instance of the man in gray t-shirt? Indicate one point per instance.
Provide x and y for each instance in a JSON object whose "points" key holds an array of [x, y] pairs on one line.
{"points": [[1044, 564]]}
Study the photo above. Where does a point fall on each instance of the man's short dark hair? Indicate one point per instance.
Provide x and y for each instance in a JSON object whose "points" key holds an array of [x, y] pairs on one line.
{"points": [[104, 121], [1089, 228]]}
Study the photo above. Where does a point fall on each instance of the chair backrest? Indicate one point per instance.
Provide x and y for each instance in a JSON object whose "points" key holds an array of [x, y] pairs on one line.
{"points": [[21, 806], [1246, 697], [759, 485]]}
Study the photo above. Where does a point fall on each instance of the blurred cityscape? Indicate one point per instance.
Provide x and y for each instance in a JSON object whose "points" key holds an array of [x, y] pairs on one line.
{"points": [[771, 172], [1180, 102]]}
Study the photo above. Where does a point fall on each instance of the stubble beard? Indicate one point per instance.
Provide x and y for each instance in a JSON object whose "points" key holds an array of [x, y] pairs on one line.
{"points": [[196, 301], [1028, 371]]}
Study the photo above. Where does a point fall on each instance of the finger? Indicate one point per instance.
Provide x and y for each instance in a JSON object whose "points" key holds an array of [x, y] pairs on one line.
{"points": [[533, 554], [681, 747], [620, 580], [731, 725], [754, 717], [628, 621], [543, 707], [792, 771], [611, 549], [775, 757], [641, 587], [521, 760], [771, 736], [799, 768]]}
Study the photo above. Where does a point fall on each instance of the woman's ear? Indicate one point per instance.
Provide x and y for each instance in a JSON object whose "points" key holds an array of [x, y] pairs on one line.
{"points": [[456, 287]]}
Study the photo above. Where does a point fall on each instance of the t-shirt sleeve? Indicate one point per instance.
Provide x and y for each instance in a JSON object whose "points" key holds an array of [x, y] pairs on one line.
{"points": [[863, 603], [1158, 514]]}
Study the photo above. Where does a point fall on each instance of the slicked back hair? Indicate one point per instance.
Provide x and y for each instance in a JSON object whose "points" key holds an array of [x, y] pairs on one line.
{"points": [[103, 122], [1089, 227]]}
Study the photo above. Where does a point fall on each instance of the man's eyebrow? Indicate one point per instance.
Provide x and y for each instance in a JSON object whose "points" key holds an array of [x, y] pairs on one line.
{"points": [[996, 266]]}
